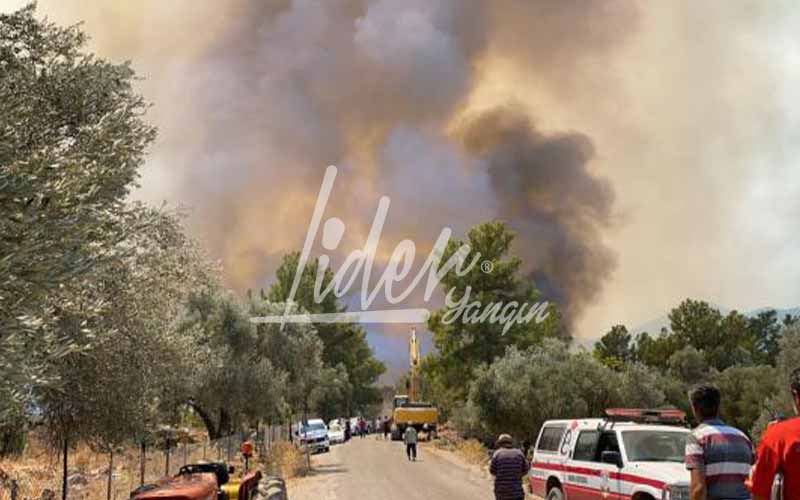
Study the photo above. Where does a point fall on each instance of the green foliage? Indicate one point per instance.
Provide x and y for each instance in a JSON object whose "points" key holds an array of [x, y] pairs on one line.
{"points": [[780, 402], [736, 352], [689, 365], [71, 141], [119, 386], [521, 390], [743, 393], [765, 333], [463, 347], [614, 349], [345, 345], [241, 373], [655, 351], [724, 340]]}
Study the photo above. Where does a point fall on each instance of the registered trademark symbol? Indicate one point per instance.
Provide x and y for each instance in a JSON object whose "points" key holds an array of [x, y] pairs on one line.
{"points": [[487, 266]]}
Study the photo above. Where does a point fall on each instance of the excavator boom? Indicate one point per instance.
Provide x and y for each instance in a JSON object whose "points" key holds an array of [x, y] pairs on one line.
{"points": [[409, 410]]}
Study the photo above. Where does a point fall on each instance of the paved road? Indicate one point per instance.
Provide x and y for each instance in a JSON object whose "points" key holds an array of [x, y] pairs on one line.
{"points": [[369, 469]]}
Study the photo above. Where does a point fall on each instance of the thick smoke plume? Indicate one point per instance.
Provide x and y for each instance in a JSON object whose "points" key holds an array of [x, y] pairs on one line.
{"points": [[374, 87], [546, 192], [273, 92], [690, 109]]}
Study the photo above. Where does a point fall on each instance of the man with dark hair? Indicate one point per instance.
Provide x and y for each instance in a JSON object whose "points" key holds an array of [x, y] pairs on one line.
{"points": [[779, 453], [717, 455]]}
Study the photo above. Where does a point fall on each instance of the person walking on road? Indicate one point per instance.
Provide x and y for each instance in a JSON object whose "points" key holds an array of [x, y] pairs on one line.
{"points": [[779, 453], [362, 428], [718, 456], [508, 466], [410, 439], [386, 427]]}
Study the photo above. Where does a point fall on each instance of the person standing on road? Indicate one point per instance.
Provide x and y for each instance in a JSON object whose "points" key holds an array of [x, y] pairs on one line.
{"points": [[362, 427], [717, 455], [410, 439], [779, 452], [508, 466], [386, 427]]}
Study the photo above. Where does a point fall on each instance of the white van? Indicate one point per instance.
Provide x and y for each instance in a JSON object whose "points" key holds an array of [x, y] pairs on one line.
{"points": [[630, 455]]}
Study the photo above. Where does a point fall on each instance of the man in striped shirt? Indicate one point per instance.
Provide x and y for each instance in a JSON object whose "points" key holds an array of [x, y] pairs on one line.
{"points": [[719, 456]]}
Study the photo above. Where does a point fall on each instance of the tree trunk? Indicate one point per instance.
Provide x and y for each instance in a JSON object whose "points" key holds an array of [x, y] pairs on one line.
{"points": [[211, 428], [110, 473], [224, 422], [142, 462], [64, 485]]}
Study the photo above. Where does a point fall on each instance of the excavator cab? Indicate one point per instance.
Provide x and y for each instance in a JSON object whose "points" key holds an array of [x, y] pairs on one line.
{"points": [[400, 401]]}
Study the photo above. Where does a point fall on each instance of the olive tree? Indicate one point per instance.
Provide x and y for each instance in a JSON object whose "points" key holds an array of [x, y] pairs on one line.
{"points": [[234, 380], [125, 383], [522, 389], [72, 139]]}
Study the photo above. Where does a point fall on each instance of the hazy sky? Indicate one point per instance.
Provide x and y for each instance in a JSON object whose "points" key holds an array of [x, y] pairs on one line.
{"points": [[684, 116]]}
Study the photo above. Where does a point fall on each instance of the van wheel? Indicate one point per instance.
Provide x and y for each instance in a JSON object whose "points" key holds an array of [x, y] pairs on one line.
{"points": [[555, 494]]}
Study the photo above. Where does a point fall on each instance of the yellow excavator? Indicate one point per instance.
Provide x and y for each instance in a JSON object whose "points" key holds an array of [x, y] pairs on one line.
{"points": [[408, 409]]}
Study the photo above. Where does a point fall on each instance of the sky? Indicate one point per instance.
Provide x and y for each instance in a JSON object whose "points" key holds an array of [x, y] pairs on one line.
{"points": [[645, 152]]}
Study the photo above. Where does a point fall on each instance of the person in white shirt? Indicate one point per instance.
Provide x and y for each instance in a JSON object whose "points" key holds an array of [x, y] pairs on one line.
{"points": [[410, 439]]}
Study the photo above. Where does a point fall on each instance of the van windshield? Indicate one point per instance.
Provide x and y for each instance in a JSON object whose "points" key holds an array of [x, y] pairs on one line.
{"points": [[655, 446]]}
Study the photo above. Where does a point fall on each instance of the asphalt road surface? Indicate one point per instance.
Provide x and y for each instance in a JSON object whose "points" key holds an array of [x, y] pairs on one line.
{"points": [[370, 469]]}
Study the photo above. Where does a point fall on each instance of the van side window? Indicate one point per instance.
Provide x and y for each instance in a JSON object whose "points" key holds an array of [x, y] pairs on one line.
{"points": [[585, 446], [550, 440], [608, 442]]}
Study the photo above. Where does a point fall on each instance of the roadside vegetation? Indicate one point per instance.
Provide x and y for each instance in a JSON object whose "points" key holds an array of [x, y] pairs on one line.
{"points": [[113, 321], [487, 383], [286, 461]]}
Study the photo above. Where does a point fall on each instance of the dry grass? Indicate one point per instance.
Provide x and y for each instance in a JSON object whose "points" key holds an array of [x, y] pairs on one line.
{"points": [[469, 450], [38, 470], [286, 460], [472, 451]]}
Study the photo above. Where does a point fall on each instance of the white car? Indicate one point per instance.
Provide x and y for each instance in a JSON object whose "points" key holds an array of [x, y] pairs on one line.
{"points": [[313, 435], [335, 433], [631, 454]]}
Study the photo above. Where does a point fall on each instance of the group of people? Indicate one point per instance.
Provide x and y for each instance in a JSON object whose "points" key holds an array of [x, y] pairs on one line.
{"points": [[718, 456], [362, 427]]}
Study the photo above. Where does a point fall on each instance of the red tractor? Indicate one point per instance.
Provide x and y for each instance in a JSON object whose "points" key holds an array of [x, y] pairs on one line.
{"points": [[203, 481]]}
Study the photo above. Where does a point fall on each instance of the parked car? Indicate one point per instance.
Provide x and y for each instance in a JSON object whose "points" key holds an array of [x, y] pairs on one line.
{"points": [[630, 454], [313, 435], [335, 433]]}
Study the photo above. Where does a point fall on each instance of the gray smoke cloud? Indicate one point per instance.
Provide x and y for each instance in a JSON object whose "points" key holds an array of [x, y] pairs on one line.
{"points": [[548, 195], [270, 93], [691, 108], [372, 87]]}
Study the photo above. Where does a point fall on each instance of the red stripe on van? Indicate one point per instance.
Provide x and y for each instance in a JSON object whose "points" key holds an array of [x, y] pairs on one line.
{"points": [[595, 472]]}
